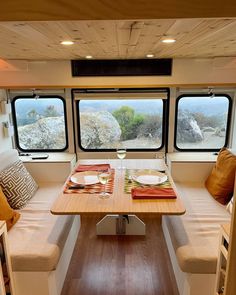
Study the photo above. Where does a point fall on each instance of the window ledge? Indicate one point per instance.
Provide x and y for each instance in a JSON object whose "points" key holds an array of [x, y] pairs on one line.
{"points": [[52, 158], [191, 157]]}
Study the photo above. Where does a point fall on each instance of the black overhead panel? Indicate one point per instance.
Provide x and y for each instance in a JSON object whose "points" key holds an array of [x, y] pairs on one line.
{"points": [[132, 67]]}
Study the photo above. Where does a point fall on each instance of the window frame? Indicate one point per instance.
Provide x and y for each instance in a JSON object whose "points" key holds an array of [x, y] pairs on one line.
{"points": [[16, 126], [229, 117], [165, 116]]}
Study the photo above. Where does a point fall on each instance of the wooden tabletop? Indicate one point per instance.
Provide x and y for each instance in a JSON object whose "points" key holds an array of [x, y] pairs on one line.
{"points": [[119, 202]]}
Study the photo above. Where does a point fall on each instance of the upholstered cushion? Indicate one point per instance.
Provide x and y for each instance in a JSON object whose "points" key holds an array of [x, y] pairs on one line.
{"points": [[7, 158], [220, 182], [17, 185], [195, 235], [6, 212], [38, 238]]}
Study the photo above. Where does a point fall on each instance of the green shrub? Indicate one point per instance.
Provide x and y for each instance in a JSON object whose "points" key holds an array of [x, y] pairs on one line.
{"points": [[129, 122], [207, 121], [151, 126]]}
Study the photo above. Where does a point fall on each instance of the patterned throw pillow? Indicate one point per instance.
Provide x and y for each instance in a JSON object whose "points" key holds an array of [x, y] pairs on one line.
{"points": [[17, 185]]}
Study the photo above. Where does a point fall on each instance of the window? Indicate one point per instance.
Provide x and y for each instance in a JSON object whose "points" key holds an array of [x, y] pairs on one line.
{"points": [[40, 123], [132, 121], [202, 122]]}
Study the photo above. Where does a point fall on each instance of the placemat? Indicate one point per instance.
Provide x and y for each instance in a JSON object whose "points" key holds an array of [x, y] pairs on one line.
{"points": [[130, 183], [90, 189], [95, 167]]}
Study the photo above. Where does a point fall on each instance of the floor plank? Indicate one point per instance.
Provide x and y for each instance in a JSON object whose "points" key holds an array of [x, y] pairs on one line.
{"points": [[120, 265]]}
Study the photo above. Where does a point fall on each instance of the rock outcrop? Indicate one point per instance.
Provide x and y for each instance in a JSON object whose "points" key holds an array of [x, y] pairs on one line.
{"points": [[188, 129], [46, 133], [98, 130]]}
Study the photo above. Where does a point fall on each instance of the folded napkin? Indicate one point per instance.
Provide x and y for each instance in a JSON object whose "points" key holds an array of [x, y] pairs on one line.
{"points": [[96, 167], [152, 193]]}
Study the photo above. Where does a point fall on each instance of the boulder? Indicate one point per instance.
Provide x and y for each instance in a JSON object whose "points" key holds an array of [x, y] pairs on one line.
{"points": [[98, 130], [188, 129], [46, 133], [208, 129], [220, 132]]}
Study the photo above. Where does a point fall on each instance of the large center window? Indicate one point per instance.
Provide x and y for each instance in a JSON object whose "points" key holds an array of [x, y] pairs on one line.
{"points": [[135, 124]]}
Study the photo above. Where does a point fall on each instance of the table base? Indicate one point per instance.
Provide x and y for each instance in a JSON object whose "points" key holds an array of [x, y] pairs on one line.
{"points": [[120, 224]]}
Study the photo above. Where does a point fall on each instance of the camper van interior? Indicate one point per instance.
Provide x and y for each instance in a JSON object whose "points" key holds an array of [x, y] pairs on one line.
{"points": [[117, 147]]}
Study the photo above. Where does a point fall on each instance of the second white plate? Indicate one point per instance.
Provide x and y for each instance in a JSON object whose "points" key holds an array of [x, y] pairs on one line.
{"points": [[150, 177], [85, 178]]}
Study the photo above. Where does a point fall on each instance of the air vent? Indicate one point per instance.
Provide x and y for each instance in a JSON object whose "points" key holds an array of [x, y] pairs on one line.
{"points": [[132, 67]]}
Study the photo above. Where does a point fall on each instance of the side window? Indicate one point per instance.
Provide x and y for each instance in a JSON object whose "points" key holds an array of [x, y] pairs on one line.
{"points": [[133, 124], [40, 123], [202, 122]]}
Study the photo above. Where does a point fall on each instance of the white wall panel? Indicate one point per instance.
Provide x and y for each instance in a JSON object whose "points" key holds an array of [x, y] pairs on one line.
{"points": [[5, 142], [58, 73]]}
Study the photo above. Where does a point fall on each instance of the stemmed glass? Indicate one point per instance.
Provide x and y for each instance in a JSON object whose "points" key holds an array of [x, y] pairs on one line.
{"points": [[103, 177], [121, 154]]}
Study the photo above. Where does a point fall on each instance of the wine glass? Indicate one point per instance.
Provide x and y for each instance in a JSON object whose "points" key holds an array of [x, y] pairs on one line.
{"points": [[121, 154], [103, 177]]}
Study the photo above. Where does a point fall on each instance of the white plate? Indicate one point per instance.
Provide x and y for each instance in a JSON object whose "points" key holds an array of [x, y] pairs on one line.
{"points": [[150, 177], [85, 178]]}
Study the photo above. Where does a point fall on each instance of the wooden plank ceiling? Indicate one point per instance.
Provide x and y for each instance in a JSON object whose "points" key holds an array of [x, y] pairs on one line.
{"points": [[118, 39], [49, 10]]}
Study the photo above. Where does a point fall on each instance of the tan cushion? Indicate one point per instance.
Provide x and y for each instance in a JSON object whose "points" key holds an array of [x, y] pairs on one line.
{"points": [[37, 239], [195, 235], [197, 259], [17, 184], [220, 183], [6, 212]]}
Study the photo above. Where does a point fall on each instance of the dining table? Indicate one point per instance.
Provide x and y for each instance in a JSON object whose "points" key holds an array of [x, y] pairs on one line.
{"points": [[120, 208]]}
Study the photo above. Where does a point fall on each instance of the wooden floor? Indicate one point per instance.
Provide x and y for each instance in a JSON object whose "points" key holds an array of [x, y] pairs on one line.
{"points": [[120, 265]]}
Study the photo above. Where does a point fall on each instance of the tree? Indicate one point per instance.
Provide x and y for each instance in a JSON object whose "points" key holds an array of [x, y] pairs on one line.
{"points": [[151, 126], [128, 121], [32, 117], [207, 121], [51, 111], [32, 114]]}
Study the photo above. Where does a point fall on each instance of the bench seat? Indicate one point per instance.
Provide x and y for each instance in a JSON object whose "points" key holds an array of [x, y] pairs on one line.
{"points": [[38, 238], [195, 235], [40, 244]]}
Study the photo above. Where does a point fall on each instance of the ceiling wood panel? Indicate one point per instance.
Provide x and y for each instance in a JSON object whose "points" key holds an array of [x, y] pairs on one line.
{"points": [[150, 36], [118, 39], [48, 10]]}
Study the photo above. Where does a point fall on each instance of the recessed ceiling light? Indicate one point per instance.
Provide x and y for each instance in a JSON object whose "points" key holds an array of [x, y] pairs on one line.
{"points": [[67, 42], [149, 55], [88, 56], [168, 40]]}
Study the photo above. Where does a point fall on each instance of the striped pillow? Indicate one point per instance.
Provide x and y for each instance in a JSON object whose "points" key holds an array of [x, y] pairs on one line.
{"points": [[17, 184], [230, 205]]}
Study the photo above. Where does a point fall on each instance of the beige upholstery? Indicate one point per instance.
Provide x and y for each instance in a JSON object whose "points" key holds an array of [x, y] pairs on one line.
{"points": [[195, 235], [37, 239], [7, 158]]}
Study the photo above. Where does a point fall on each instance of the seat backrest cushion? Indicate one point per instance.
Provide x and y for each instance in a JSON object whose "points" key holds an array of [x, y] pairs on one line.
{"points": [[7, 158], [220, 182], [17, 184]]}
